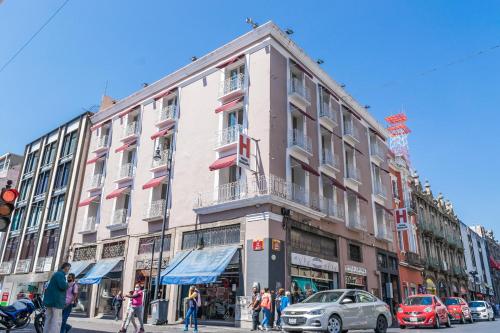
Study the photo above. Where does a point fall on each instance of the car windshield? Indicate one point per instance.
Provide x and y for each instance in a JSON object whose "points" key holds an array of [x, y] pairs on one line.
{"points": [[476, 304], [418, 301], [451, 301], [324, 297]]}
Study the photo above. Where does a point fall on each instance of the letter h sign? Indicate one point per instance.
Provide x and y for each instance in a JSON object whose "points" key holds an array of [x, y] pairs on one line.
{"points": [[243, 157], [401, 219]]}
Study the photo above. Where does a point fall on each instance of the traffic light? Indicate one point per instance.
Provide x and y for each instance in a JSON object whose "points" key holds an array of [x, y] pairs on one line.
{"points": [[7, 198]]}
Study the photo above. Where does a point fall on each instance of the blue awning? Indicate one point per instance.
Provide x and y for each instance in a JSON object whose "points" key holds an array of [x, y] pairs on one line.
{"points": [[198, 266], [77, 267], [100, 269]]}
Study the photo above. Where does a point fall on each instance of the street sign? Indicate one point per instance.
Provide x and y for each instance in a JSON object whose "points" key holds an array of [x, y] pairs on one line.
{"points": [[243, 152], [401, 216], [258, 244]]}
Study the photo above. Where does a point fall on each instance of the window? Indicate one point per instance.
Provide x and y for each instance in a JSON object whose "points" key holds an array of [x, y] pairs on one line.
{"points": [[381, 260], [355, 253], [49, 153], [36, 214], [56, 208], [29, 246], [235, 77], [31, 162], [312, 244], [211, 237], [62, 175], [42, 183], [395, 191], [69, 144], [234, 118], [17, 218], [146, 244], [49, 243], [11, 249], [365, 298], [25, 189]]}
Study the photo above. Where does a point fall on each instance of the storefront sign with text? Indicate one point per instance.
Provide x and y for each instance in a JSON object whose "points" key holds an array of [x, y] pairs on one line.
{"points": [[258, 244], [314, 262]]}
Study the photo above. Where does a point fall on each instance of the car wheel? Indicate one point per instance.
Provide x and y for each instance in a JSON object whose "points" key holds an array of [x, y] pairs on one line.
{"points": [[381, 324], [402, 327], [334, 324], [437, 323], [448, 322], [345, 331]]}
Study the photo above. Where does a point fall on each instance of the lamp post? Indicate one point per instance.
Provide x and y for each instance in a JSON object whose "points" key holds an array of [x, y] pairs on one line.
{"points": [[164, 225]]}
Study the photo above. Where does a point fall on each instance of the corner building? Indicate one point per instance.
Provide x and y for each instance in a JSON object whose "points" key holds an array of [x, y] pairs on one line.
{"points": [[312, 212]]}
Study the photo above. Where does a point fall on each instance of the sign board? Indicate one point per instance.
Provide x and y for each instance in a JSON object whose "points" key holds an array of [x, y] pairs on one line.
{"points": [[314, 262], [258, 244], [355, 270], [276, 245], [401, 216], [243, 152]]}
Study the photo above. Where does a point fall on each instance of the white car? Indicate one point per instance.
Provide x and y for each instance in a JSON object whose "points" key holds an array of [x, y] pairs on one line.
{"points": [[336, 311], [481, 310]]}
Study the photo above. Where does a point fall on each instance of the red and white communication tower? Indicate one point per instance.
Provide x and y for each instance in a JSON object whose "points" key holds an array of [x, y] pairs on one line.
{"points": [[398, 142]]}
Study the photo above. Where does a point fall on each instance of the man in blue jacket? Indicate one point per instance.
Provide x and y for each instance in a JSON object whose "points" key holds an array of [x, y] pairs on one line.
{"points": [[54, 299]]}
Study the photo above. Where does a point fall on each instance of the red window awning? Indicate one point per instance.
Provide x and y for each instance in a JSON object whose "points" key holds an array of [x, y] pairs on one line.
{"points": [[303, 112], [307, 167], [125, 146], [154, 182], [99, 125], [95, 159], [87, 201], [164, 93], [127, 111], [230, 61], [116, 193], [223, 162], [335, 182], [229, 105], [162, 132]]}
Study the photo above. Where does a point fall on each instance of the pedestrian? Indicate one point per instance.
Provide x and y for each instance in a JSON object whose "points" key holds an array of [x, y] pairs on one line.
{"points": [[54, 299], [255, 307], [194, 301], [297, 295], [71, 301], [129, 315], [266, 308], [117, 304], [279, 297], [137, 297], [309, 293], [273, 308]]}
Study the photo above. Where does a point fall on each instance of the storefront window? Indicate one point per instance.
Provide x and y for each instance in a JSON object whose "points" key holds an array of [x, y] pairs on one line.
{"points": [[353, 281], [110, 285]]}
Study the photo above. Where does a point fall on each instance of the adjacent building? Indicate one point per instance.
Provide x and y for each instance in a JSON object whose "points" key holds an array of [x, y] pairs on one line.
{"points": [[309, 207], [42, 223], [440, 243], [10, 166]]}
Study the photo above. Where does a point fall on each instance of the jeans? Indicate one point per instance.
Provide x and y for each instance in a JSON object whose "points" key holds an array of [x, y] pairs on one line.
{"points": [[138, 311], [267, 317], [117, 308], [129, 318], [255, 319], [65, 315], [278, 318], [192, 313], [53, 319]]}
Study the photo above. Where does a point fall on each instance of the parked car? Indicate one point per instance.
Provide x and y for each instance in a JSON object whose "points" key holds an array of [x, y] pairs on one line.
{"points": [[458, 309], [423, 310], [481, 310], [337, 311]]}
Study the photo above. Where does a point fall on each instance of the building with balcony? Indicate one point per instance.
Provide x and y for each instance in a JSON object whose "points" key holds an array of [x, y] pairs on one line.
{"points": [[477, 262], [439, 242], [302, 213], [493, 251], [42, 223]]}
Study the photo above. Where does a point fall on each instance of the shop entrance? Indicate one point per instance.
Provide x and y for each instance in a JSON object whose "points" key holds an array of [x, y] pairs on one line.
{"points": [[109, 286]]}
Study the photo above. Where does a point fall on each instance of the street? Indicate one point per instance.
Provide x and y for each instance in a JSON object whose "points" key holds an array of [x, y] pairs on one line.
{"points": [[98, 325]]}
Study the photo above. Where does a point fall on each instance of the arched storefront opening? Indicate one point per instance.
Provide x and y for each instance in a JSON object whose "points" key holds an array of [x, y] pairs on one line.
{"points": [[430, 286]]}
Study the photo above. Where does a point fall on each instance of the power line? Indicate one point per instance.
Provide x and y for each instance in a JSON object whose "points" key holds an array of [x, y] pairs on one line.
{"points": [[14, 56]]}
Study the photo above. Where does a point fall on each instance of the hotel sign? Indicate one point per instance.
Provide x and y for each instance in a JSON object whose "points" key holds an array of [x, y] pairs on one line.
{"points": [[243, 156], [401, 216]]}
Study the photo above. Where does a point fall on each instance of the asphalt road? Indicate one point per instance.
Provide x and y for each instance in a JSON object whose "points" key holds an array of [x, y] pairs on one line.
{"points": [[99, 325]]}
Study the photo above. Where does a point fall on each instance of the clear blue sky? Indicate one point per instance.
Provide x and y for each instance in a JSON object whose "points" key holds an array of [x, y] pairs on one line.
{"points": [[365, 44]]}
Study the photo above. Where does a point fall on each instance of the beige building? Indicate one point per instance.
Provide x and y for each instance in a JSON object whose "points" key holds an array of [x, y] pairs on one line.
{"points": [[309, 209]]}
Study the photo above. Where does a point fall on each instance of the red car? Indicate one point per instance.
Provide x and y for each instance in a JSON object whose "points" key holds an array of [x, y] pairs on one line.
{"points": [[458, 309], [423, 310]]}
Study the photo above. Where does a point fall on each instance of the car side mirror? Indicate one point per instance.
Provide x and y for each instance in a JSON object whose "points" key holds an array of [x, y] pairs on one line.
{"points": [[346, 301]]}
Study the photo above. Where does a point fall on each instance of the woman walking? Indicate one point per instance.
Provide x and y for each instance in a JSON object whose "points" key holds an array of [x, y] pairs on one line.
{"points": [[266, 308]]}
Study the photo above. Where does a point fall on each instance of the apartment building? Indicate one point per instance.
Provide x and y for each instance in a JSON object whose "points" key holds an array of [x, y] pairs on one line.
{"points": [[440, 243], [42, 222], [493, 249], [310, 207], [10, 166], [477, 262], [411, 265]]}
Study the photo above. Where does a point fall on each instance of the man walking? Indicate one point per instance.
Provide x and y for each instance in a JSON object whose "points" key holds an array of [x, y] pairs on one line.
{"points": [[71, 300], [54, 299], [255, 307]]}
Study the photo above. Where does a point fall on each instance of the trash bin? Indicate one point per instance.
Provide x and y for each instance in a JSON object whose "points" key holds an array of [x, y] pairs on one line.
{"points": [[159, 309]]}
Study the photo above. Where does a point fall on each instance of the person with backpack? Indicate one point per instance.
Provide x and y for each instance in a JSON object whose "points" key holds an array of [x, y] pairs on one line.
{"points": [[255, 307], [266, 309], [71, 301], [194, 302]]}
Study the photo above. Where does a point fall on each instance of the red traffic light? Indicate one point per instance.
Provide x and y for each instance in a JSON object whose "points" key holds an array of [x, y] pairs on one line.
{"points": [[10, 195]]}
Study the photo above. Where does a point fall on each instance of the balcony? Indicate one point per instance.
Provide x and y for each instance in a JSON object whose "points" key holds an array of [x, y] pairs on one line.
{"points": [[66, 158], [47, 166], [379, 190], [232, 87], [300, 142], [353, 174], [166, 115], [131, 131], [384, 231], [96, 182], [44, 264], [119, 220], [330, 160], [299, 94], [332, 209], [261, 190], [126, 172], [154, 211], [413, 259], [377, 151], [328, 116], [432, 263], [55, 223], [32, 228], [351, 133], [39, 196], [161, 163], [6, 267], [59, 190], [357, 222], [89, 225], [101, 143], [228, 137], [29, 173], [23, 266]]}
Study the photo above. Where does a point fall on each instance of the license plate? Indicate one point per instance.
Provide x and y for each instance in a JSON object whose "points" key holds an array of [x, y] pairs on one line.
{"points": [[413, 319], [292, 321]]}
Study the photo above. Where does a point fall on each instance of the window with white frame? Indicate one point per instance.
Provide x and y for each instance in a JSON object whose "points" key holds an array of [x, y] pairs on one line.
{"points": [[56, 208], [327, 147], [350, 163]]}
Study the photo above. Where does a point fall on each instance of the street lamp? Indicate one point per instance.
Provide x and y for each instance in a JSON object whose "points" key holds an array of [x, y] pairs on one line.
{"points": [[157, 157]]}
